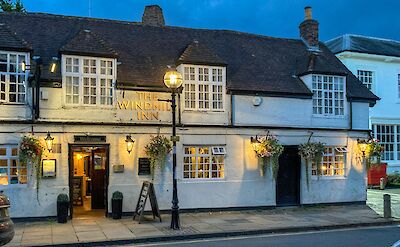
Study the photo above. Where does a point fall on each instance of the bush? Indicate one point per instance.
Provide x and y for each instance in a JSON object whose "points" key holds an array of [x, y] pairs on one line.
{"points": [[62, 198], [117, 195], [393, 179]]}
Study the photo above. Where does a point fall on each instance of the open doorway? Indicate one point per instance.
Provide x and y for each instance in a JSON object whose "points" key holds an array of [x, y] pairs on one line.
{"points": [[88, 179]]}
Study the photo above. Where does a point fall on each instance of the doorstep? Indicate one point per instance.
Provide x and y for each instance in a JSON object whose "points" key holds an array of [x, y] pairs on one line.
{"points": [[106, 231]]}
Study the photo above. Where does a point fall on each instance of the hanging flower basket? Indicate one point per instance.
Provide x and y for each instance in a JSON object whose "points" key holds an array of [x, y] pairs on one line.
{"points": [[312, 152], [158, 149], [30, 153], [373, 153], [268, 150]]}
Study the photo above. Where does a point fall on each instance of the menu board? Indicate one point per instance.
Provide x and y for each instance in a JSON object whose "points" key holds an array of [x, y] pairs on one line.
{"points": [[144, 166], [49, 168]]}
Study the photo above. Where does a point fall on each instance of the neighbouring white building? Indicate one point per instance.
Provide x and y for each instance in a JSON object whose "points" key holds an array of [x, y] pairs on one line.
{"points": [[236, 86], [376, 63]]}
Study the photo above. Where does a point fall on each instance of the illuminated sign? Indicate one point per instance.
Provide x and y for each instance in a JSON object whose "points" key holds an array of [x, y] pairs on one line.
{"points": [[145, 106]]}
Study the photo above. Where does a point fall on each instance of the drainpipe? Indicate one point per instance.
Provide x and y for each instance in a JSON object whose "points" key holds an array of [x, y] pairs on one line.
{"points": [[351, 115]]}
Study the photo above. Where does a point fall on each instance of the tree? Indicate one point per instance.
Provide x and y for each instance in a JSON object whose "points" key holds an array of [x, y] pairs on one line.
{"points": [[9, 6]]}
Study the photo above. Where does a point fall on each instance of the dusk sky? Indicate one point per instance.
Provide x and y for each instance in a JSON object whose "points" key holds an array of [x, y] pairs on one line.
{"points": [[278, 18]]}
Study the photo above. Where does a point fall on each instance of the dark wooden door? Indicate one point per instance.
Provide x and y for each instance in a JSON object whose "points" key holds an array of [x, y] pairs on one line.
{"points": [[288, 180], [98, 177]]}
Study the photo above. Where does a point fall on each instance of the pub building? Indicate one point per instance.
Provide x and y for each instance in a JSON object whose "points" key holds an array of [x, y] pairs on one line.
{"points": [[101, 82]]}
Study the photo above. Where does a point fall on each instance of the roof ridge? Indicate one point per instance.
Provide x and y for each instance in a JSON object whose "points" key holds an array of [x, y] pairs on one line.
{"points": [[49, 15], [366, 36]]}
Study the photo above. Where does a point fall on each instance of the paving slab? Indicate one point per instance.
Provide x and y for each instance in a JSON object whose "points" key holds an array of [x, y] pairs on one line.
{"points": [[201, 224]]}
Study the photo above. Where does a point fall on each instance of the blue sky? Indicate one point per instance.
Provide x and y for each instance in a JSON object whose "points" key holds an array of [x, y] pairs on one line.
{"points": [[278, 18]]}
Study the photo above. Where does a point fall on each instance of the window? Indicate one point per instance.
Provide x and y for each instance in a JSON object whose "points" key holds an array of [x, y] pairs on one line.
{"points": [[333, 162], [203, 88], [328, 98], [366, 77], [398, 85], [11, 170], [201, 162], [89, 81], [389, 138], [12, 78]]}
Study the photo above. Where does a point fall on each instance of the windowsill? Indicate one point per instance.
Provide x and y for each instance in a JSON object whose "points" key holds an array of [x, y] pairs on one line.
{"points": [[202, 111], [9, 186], [313, 177], [201, 180], [329, 116], [13, 104], [110, 107]]}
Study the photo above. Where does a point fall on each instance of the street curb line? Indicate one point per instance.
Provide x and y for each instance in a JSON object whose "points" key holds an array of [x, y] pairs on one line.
{"points": [[225, 234]]}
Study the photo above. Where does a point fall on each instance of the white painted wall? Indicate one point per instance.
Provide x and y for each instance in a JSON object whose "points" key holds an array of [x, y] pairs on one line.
{"points": [[242, 186], [386, 70]]}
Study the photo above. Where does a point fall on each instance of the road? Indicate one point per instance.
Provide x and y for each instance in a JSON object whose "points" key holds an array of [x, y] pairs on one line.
{"points": [[359, 237], [375, 200]]}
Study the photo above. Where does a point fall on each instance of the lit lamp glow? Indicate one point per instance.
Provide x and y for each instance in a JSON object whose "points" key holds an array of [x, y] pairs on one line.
{"points": [[23, 66], [53, 67], [362, 145], [254, 142], [129, 143], [49, 141], [173, 79]]}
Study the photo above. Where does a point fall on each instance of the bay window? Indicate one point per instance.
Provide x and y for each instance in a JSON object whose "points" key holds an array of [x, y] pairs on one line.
{"points": [[11, 170], [333, 162], [89, 81], [12, 78], [328, 95], [203, 162], [203, 88]]}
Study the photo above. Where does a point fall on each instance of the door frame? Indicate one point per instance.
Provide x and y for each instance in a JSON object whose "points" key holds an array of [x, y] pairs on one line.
{"points": [[71, 171], [298, 192]]}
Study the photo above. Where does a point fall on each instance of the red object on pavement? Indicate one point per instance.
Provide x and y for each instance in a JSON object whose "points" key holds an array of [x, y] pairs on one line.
{"points": [[375, 173]]}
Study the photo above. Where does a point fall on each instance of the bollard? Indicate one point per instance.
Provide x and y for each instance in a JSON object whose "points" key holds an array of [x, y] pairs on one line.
{"points": [[382, 183], [387, 211]]}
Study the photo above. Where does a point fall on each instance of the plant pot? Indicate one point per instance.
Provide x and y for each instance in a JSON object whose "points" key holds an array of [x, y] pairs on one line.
{"points": [[116, 205], [62, 212]]}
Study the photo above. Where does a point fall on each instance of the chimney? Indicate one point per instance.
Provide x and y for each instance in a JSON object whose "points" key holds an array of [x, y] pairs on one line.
{"points": [[153, 16], [309, 29]]}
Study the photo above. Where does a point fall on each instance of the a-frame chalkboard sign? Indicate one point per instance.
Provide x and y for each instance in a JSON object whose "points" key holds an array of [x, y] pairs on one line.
{"points": [[147, 191]]}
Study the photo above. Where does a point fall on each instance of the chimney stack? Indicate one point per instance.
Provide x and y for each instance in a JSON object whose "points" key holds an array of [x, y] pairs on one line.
{"points": [[153, 16], [309, 29]]}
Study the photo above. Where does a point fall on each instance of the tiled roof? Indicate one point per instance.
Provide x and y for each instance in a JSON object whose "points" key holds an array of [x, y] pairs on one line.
{"points": [[255, 63], [196, 53], [88, 43], [10, 40], [363, 44]]}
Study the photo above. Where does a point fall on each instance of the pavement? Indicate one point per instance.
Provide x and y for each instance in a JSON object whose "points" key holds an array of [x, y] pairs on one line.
{"points": [[385, 236], [375, 200], [106, 231]]}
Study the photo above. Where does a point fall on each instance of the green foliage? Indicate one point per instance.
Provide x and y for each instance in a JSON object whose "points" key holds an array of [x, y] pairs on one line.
{"points": [[30, 153], [373, 153], [157, 150], [9, 6], [269, 149], [314, 152], [62, 198], [117, 195], [393, 179]]}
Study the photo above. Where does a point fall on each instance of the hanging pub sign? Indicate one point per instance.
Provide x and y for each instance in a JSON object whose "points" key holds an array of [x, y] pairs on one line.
{"points": [[49, 168], [144, 166], [86, 138]]}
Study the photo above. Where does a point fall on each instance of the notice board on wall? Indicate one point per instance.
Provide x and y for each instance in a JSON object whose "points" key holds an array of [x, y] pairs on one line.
{"points": [[147, 191]]}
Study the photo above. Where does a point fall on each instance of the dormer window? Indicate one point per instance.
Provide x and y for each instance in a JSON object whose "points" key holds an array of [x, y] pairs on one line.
{"points": [[204, 88], [12, 78], [89, 81], [328, 98]]}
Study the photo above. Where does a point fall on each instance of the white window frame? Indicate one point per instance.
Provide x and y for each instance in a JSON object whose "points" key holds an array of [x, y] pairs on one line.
{"points": [[367, 80], [204, 80], [392, 137], [398, 85], [198, 156], [337, 94], [98, 77], [335, 152], [5, 84], [9, 157]]}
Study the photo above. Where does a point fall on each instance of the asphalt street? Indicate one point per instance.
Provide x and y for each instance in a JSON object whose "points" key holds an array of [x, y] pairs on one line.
{"points": [[359, 237]]}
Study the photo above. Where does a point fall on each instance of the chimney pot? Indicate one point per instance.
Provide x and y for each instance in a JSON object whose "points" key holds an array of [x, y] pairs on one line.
{"points": [[309, 30], [153, 16], [308, 13]]}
